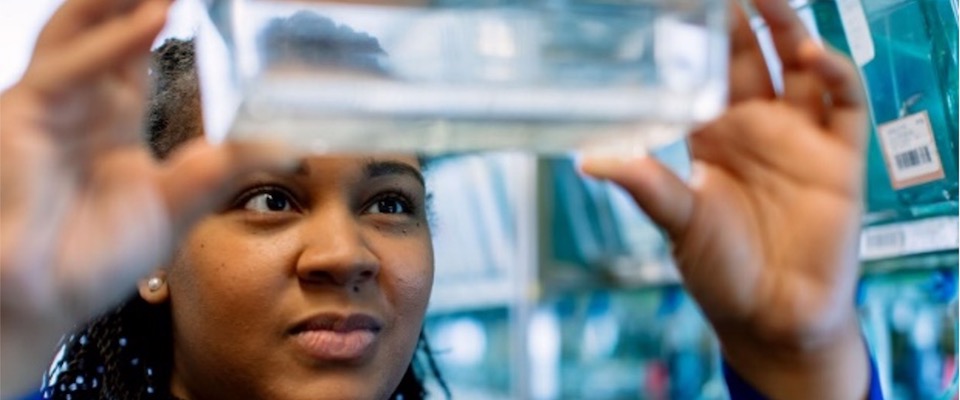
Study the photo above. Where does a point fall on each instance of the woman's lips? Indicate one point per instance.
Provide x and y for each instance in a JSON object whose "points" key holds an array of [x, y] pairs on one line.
{"points": [[330, 337], [336, 346]]}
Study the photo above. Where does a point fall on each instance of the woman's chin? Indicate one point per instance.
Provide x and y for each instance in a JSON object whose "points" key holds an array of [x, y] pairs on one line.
{"points": [[337, 381]]}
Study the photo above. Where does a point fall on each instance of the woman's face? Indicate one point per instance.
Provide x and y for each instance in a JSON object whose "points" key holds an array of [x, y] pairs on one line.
{"points": [[309, 285]]}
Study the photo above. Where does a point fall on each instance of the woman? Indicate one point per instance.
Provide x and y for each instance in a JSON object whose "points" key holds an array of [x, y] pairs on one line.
{"points": [[307, 284], [766, 242]]}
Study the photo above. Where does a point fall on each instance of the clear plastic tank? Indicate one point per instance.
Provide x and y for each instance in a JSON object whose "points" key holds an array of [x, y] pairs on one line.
{"points": [[546, 76]]}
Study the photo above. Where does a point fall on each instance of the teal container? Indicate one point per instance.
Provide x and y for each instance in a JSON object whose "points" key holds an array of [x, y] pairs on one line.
{"points": [[909, 319], [907, 54]]}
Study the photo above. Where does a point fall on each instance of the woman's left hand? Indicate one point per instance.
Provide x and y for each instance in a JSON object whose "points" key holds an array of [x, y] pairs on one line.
{"points": [[766, 233]]}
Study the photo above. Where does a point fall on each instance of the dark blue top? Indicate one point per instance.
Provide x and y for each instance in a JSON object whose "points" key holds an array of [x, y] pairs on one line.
{"points": [[741, 390], [738, 387]]}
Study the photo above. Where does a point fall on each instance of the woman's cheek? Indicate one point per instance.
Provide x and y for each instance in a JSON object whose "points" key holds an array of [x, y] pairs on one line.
{"points": [[221, 260], [410, 274]]}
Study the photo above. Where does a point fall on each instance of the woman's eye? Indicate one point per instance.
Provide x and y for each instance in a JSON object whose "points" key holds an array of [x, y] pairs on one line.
{"points": [[269, 201], [390, 205]]}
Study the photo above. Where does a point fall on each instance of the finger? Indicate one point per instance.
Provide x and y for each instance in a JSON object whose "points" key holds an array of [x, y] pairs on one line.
{"points": [[75, 16], [749, 76], [199, 176], [658, 191], [114, 44], [786, 30], [847, 116], [129, 100], [789, 34], [134, 72], [739, 144]]}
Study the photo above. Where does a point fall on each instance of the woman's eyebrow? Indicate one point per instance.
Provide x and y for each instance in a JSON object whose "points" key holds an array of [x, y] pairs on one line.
{"points": [[378, 168], [302, 169]]}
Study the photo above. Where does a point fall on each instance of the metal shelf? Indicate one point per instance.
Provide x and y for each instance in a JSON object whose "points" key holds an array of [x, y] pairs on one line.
{"points": [[895, 240]]}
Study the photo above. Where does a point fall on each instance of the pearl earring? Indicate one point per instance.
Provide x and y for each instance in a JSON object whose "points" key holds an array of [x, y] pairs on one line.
{"points": [[154, 284]]}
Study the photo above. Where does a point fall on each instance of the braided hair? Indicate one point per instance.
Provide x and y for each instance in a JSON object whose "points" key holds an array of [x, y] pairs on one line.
{"points": [[127, 353]]}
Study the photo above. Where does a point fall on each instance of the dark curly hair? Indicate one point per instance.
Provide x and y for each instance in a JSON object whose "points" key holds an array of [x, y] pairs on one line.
{"points": [[127, 353]]}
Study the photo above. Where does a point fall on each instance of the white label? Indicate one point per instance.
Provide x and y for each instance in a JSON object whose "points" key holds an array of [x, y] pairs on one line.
{"points": [[915, 237], [855, 26], [910, 150]]}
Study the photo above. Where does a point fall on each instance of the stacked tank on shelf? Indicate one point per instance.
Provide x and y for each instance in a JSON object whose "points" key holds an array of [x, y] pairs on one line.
{"points": [[906, 51], [481, 244]]}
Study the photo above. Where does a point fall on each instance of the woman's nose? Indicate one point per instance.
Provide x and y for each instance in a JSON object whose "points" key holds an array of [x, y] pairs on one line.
{"points": [[334, 250]]}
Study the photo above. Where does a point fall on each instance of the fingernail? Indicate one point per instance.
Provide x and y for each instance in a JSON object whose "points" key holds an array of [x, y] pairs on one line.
{"points": [[601, 167], [697, 174], [810, 48]]}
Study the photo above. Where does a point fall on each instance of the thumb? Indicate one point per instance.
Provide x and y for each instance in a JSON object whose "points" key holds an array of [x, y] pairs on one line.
{"points": [[200, 176], [658, 191]]}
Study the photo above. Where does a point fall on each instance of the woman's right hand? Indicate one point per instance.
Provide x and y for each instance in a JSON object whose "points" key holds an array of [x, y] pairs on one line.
{"points": [[86, 209]]}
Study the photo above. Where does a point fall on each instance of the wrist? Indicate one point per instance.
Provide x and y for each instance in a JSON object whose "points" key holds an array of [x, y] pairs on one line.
{"points": [[832, 367], [29, 345]]}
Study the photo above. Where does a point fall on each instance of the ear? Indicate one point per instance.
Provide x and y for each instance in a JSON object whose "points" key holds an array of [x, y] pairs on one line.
{"points": [[154, 289]]}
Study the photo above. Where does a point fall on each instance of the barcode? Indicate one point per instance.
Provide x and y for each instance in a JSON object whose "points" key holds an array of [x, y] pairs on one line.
{"points": [[913, 158], [885, 240]]}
